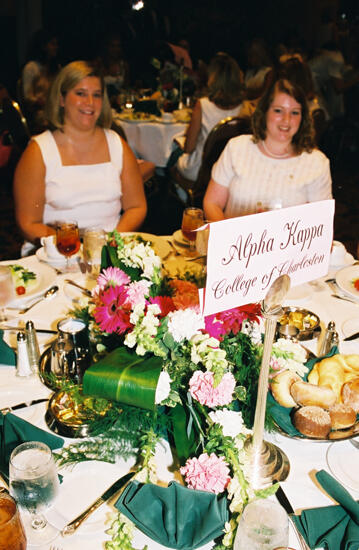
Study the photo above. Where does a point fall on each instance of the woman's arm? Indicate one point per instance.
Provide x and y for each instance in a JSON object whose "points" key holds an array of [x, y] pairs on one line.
{"points": [[194, 128], [214, 201], [29, 194], [133, 196]]}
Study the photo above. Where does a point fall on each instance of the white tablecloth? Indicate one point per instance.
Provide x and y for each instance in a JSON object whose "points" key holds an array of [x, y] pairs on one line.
{"points": [[305, 457], [151, 140]]}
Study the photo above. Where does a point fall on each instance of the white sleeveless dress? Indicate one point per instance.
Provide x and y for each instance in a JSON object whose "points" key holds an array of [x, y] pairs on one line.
{"points": [[89, 194]]}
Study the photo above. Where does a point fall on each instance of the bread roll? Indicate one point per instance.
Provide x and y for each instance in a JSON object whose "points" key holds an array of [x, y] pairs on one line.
{"points": [[305, 394], [342, 416], [280, 387], [312, 421], [331, 374], [350, 394], [352, 362], [313, 376]]}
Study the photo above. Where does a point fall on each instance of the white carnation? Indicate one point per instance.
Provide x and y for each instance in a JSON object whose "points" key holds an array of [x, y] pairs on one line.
{"points": [[184, 323], [231, 422]]}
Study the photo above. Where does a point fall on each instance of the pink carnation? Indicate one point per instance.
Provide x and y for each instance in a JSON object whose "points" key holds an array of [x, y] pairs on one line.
{"points": [[202, 388], [113, 276], [137, 291], [206, 473]]}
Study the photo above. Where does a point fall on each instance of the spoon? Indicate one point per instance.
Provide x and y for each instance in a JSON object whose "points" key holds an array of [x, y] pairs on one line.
{"points": [[48, 294], [82, 288]]}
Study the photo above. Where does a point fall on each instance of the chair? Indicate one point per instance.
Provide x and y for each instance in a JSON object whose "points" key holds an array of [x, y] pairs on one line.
{"points": [[213, 147], [13, 121], [319, 123]]}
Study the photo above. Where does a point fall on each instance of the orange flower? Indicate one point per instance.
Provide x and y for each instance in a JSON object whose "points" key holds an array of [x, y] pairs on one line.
{"points": [[185, 294]]}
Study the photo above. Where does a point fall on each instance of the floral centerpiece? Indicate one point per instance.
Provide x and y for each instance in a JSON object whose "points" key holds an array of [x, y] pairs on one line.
{"points": [[207, 383]]}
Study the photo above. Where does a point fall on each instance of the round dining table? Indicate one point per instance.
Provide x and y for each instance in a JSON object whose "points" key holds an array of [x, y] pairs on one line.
{"points": [[151, 140], [84, 482]]}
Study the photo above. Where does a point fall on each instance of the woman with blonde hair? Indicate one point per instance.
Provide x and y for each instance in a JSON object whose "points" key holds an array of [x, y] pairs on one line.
{"points": [[223, 100], [79, 169]]}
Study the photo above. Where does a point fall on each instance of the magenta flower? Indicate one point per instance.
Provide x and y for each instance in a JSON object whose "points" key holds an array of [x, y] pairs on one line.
{"points": [[231, 320], [201, 387], [206, 473], [113, 276], [112, 313]]}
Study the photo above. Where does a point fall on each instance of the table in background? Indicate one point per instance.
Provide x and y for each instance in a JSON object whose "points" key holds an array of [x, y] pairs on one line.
{"points": [[151, 140]]}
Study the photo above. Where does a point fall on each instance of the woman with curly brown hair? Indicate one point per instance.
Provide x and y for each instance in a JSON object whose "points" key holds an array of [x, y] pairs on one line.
{"points": [[278, 165]]}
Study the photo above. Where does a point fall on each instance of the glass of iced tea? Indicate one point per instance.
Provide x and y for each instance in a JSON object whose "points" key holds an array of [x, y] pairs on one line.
{"points": [[12, 534], [192, 219], [67, 240]]}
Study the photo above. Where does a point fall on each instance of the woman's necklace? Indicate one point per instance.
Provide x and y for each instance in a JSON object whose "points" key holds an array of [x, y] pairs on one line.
{"points": [[274, 155]]}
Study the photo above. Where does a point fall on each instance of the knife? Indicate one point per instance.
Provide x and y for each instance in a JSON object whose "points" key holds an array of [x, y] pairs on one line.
{"points": [[283, 501], [71, 527], [41, 330], [23, 405], [352, 337]]}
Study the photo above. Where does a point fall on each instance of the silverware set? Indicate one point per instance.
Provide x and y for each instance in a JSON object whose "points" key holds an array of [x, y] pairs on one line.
{"points": [[337, 293]]}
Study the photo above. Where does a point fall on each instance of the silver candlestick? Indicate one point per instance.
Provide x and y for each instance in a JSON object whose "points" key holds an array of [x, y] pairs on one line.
{"points": [[268, 462]]}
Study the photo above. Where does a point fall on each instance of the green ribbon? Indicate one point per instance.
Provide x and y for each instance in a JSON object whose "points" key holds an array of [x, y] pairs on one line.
{"points": [[124, 377]]}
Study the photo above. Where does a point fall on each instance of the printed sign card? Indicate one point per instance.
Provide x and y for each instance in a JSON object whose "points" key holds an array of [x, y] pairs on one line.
{"points": [[246, 254]]}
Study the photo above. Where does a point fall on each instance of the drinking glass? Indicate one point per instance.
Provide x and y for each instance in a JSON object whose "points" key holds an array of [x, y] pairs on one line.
{"points": [[67, 240], [34, 484], [263, 526], [12, 534], [7, 292], [192, 219], [93, 240], [268, 204]]}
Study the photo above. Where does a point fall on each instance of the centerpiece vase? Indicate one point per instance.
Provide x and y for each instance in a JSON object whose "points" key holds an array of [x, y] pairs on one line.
{"points": [[268, 462]]}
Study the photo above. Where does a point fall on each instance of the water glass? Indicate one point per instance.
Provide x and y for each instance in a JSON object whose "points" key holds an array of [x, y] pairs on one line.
{"points": [[266, 205], [7, 291], [12, 534], [34, 484], [94, 238], [263, 526]]}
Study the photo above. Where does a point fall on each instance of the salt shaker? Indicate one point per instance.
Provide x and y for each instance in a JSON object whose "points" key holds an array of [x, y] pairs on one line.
{"points": [[23, 367], [33, 349], [328, 339]]}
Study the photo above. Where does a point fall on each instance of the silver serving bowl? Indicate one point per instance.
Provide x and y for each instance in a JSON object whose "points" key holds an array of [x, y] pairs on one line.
{"points": [[298, 323]]}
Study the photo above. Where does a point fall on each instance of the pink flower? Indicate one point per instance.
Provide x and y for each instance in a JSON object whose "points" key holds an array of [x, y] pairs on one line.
{"points": [[165, 303], [137, 291], [206, 473], [113, 276], [112, 313], [202, 389], [231, 320]]}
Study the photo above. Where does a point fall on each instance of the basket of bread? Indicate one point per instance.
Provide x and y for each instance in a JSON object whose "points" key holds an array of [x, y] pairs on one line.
{"points": [[325, 407]]}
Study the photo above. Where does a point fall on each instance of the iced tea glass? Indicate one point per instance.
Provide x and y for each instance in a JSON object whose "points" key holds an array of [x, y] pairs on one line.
{"points": [[192, 219], [67, 240], [7, 291], [12, 534]]}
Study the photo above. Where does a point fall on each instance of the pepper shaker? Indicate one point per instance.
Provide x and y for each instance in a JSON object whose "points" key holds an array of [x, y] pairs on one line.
{"points": [[327, 340], [33, 349], [23, 367]]}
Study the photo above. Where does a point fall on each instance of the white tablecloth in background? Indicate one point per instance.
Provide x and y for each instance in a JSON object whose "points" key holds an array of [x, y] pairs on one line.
{"points": [[151, 140], [305, 456]]}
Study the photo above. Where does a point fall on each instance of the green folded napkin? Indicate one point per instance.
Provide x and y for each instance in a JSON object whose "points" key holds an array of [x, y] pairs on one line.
{"points": [[282, 415], [174, 516], [7, 355], [14, 431], [332, 527]]}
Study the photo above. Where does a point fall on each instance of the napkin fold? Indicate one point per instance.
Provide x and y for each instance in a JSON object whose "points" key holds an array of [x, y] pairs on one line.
{"points": [[14, 431], [174, 516], [332, 527], [7, 355]]}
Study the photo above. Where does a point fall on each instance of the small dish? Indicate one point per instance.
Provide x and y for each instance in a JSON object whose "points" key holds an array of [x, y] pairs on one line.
{"points": [[55, 262], [307, 322], [180, 239]]}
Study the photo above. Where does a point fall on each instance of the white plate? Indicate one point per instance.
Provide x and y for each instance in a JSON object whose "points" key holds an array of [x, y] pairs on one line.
{"points": [[342, 460], [163, 121], [130, 118], [344, 279], [350, 326], [300, 292], [45, 277], [348, 260], [179, 238], [55, 262], [161, 246], [81, 486]]}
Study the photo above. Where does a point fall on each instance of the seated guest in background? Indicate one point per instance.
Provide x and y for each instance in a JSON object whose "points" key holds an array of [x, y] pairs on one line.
{"points": [[223, 100], [80, 170], [114, 67], [36, 77], [278, 165]]}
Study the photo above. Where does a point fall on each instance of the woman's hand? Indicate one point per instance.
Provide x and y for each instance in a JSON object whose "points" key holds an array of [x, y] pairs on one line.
{"points": [[133, 196]]}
